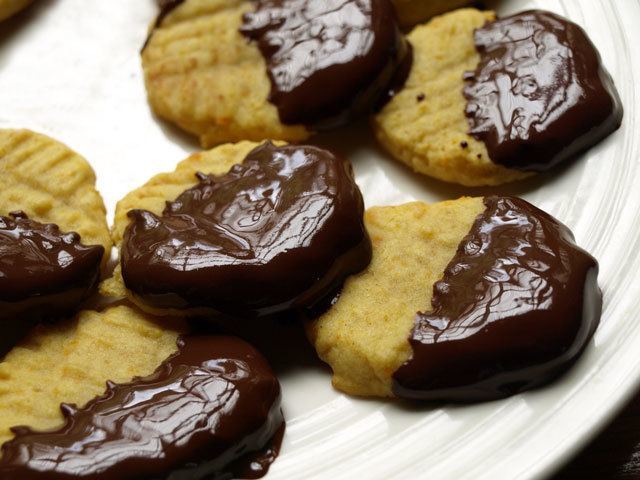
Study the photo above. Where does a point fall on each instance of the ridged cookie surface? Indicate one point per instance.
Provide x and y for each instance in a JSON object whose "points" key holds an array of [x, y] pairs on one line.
{"points": [[52, 184], [364, 337], [71, 361], [203, 75], [10, 7], [164, 187], [424, 125]]}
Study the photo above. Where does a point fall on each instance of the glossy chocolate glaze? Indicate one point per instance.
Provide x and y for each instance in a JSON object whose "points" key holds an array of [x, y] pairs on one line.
{"points": [[516, 306], [201, 414], [328, 61], [280, 231], [44, 274], [540, 94], [256, 464]]}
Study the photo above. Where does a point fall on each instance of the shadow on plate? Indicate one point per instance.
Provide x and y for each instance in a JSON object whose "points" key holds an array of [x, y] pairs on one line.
{"points": [[281, 340], [175, 134], [350, 140], [614, 454]]}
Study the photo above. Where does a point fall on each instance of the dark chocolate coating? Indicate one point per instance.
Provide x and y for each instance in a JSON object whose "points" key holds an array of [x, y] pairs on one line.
{"points": [[328, 61], [166, 6], [516, 306], [207, 406], [540, 94], [280, 231], [44, 274]]}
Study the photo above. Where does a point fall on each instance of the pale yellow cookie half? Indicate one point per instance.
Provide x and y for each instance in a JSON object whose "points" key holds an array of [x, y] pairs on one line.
{"points": [[204, 76], [364, 337], [154, 194], [412, 12], [11, 7], [71, 361], [52, 184], [424, 125]]}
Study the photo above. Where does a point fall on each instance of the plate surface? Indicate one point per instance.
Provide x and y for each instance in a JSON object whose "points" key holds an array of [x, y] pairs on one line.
{"points": [[70, 68]]}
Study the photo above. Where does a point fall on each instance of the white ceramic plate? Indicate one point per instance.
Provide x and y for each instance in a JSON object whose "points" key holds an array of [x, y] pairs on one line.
{"points": [[70, 68]]}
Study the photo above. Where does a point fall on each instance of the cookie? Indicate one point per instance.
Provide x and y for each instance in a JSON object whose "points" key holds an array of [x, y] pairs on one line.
{"points": [[45, 274], [53, 233], [447, 122], [229, 70], [478, 298], [10, 7], [51, 183], [219, 389], [424, 125], [211, 408], [281, 230], [81, 355], [412, 12], [363, 337], [162, 188]]}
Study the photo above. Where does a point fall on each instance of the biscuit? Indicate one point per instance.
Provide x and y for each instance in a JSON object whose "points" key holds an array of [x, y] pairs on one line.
{"points": [[71, 361], [164, 187], [424, 125], [229, 70], [412, 12], [279, 231], [52, 184], [11, 7], [476, 299], [203, 75], [199, 242], [363, 337]]}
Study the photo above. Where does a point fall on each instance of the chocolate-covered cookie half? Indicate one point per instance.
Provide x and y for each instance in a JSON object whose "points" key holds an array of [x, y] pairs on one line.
{"points": [[477, 299], [211, 410], [540, 94], [53, 232], [45, 274], [279, 69], [280, 230], [493, 100], [327, 62]]}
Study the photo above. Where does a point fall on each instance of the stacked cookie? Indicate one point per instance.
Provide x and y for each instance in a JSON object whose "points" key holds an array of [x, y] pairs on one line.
{"points": [[471, 299]]}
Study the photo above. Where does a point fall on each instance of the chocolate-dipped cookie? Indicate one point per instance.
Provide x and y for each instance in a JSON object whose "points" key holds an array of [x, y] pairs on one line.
{"points": [[212, 408], [45, 274], [491, 101], [264, 229], [53, 232], [247, 70], [478, 298]]}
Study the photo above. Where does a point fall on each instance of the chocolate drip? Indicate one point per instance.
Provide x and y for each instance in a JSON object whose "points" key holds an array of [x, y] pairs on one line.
{"points": [[44, 274], [516, 306], [280, 231], [328, 62], [256, 464], [540, 94], [203, 413]]}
